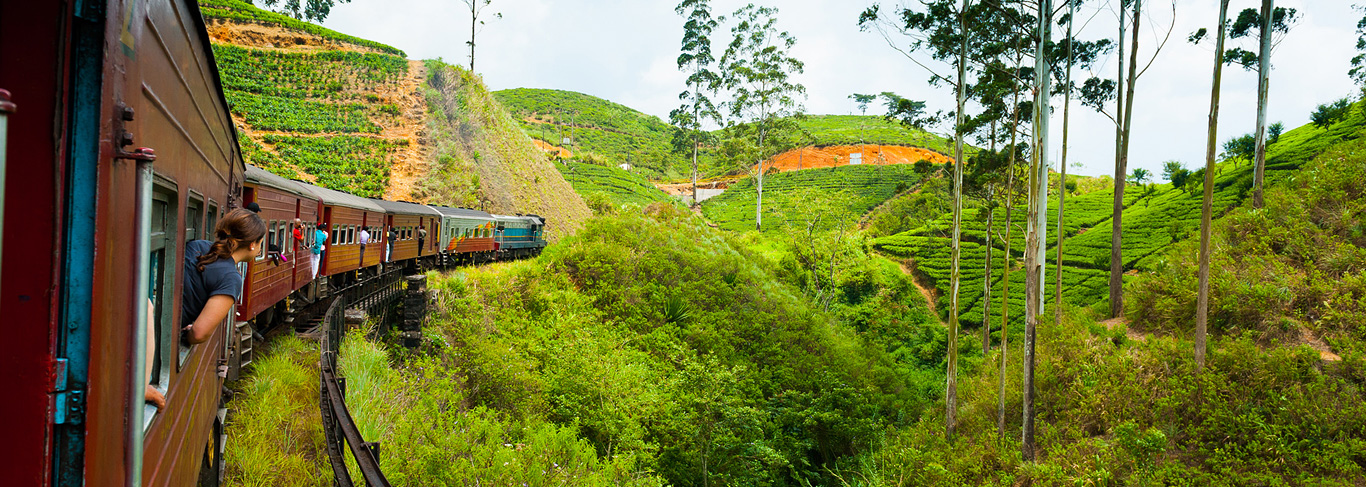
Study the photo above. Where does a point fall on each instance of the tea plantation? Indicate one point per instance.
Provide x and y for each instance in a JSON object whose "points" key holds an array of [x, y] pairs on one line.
{"points": [[791, 197], [314, 114], [613, 185]]}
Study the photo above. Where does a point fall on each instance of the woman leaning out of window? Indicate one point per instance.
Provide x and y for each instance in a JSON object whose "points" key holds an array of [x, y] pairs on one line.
{"points": [[212, 282]]}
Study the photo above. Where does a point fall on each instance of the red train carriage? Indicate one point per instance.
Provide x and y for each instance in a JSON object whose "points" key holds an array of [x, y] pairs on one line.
{"points": [[405, 218], [104, 225], [270, 279], [344, 216]]}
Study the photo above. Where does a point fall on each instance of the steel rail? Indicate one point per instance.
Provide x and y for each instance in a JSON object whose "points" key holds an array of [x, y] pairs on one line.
{"points": [[378, 290]]}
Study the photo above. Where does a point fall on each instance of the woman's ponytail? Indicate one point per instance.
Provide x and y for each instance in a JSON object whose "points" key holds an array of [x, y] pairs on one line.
{"points": [[239, 227]]}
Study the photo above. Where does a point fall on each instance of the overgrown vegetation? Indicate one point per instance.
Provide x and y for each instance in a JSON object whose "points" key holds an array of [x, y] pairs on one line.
{"points": [[479, 156], [275, 435], [670, 346]]}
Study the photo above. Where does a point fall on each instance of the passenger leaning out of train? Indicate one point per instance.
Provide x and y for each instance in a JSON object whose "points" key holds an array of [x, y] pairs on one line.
{"points": [[319, 245], [298, 234], [421, 239], [212, 284]]}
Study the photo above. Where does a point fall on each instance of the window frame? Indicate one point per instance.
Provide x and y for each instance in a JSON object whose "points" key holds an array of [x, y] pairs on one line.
{"points": [[165, 276]]}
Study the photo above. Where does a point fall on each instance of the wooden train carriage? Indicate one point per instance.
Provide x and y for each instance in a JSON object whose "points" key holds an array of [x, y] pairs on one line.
{"points": [[344, 215], [465, 231], [43, 112], [172, 84], [405, 219], [104, 224], [269, 278]]}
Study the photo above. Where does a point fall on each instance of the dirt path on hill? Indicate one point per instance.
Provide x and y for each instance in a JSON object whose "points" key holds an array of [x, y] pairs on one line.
{"points": [[1129, 332], [925, 292], [410, 163], [1306, 338]]}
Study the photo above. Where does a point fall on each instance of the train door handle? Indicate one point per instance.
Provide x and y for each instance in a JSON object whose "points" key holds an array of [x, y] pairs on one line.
{"points": [[143, 154]]}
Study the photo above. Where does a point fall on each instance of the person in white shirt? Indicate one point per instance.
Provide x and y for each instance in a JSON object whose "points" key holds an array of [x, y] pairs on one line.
{"points": [[364, 239]]}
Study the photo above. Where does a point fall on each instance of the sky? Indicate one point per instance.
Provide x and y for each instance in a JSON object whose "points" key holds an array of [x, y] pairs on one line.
{"points": [[625, 51]]}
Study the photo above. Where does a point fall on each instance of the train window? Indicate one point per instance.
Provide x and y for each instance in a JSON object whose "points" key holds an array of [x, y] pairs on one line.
{"points": [[211, 226], [194, 218], [351, 234], [336, 236], [270, 239], [162, 285]]}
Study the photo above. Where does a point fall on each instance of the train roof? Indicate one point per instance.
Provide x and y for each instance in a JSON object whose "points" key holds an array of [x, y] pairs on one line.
{"points": [[338, 198], [405, 208], [536, 220], [462, 212], [262, 177]]}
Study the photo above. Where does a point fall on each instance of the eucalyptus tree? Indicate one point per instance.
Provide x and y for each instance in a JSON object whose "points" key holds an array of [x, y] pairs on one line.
{"points": [[1066, 122], [757, 71], [942, 30], [862, 100], [696, 59], [1270, 26], [1095, 93], [1206, 210], [477, 10], [1037, 228], [310, 10], [1358, 71]]}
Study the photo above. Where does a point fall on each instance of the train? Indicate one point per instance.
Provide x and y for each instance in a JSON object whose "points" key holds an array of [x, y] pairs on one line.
{"points": [[116, 149]]}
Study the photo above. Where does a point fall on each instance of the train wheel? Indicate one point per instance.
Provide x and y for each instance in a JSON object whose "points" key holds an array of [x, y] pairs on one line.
{"points": [[211, 467]]}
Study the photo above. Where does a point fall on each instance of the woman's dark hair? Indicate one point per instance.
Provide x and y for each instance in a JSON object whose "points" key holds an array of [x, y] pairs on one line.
{"points": [[239, 227]]}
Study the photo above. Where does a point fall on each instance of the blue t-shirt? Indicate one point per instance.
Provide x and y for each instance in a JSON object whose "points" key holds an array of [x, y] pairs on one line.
{"points": [[319, 237], [218, 277]]}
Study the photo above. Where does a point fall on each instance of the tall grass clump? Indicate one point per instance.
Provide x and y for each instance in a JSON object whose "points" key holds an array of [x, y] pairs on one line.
{"points": [[275, 434]]}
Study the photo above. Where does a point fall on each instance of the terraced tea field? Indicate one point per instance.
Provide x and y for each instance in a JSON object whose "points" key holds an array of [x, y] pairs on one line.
{"points": [[618, 187], [789, 198]]}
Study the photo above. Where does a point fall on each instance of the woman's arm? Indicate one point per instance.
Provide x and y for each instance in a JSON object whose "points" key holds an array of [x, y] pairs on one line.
{"points": [[149, 393], [215, 311]]}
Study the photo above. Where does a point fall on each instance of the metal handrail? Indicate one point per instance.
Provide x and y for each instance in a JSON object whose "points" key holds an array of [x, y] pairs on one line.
{"points": [[376, 291]]}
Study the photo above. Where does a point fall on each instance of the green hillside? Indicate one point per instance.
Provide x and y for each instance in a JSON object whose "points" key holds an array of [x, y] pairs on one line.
{"points": [[822, 197], [312, 114], [1152, 225], [855, 129], [598, 129], [610, 185]]}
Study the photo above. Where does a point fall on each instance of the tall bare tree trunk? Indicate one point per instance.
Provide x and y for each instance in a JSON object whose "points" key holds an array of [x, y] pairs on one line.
{"points": [[474, 22], [986, 280], [1005, 273], [1263, 86], [951, 393], [1206, 211], [696, 140], [1062, 182], [1117, 216], [1037, 231]]}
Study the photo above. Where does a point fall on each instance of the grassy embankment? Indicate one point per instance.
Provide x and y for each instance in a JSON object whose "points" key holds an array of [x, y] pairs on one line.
{"points": [[650, 349], [478, 152]]}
